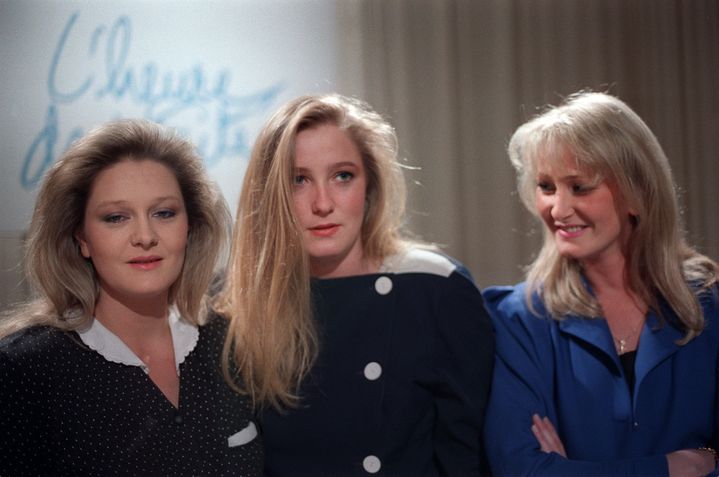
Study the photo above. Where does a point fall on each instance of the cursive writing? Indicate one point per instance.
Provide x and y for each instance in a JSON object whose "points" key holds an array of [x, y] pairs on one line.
{"points": [[194, 101]]}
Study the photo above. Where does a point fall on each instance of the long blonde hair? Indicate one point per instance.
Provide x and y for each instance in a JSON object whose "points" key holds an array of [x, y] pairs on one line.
{"points": [[607, 138], [272, 340], [65, 281]]}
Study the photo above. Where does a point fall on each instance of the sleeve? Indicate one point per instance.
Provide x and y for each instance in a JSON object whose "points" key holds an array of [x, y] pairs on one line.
{"points": [[464, 350], [711, 316], [522, 386], [715, 437], [20, 432]]}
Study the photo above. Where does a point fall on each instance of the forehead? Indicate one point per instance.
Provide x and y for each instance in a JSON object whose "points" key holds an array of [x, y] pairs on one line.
{"points": [[562, 162], [131, 178], [325, 143]]}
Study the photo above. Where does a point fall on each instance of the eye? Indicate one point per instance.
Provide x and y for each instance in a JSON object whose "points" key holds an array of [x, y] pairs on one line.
{"points": [[165, 213], [581, 189], [114, 218], [545, 186], [344, 176], [299, 180]]}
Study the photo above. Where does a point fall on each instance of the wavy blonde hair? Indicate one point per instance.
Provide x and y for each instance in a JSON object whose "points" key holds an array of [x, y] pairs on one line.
{"points": [[272, 341], [607, 138], [65, 281]]}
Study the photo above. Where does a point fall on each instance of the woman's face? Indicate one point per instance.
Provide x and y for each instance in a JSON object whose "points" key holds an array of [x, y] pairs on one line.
{"points": [[581, 211], [330, 185], [135, 230]]}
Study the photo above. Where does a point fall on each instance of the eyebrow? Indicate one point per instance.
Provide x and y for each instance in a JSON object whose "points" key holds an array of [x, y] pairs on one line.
{"points": [[124, 202], [572, 175], [334, 165]]}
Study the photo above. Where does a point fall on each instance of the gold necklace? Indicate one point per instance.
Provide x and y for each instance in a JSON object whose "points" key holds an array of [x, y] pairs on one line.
{"points": [[622, 342]]}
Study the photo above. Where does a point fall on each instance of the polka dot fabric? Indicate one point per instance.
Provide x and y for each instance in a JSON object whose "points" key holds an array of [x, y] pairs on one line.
{"points": [[65, 410]]}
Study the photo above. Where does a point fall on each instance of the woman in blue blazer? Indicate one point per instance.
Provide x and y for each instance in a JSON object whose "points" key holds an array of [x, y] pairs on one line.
{"points": [[607, 355]]}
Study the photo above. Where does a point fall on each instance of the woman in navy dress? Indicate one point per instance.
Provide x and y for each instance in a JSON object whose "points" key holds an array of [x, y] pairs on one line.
{"points": [[371, 354], [607, 355], [115, 368]]}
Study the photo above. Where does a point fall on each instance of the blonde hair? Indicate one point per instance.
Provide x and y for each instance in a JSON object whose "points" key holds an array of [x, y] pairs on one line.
{"points": [[609, 139], [272, 337], [64, 279]]}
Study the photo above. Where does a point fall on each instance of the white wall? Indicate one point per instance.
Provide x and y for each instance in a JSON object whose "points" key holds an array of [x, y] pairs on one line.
{"points": [[213, 69]]}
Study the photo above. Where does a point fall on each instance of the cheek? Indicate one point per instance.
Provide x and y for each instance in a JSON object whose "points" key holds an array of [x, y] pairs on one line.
{"points": [[182, 242], [609, 210], [299, 205], [181, 236], [297, 201], [88, 240], [359, 198], [84, 249], [542, 206], [358, 203]]}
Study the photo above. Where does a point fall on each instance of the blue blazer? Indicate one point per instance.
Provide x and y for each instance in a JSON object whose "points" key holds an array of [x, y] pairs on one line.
{"points": [[570, 372]]}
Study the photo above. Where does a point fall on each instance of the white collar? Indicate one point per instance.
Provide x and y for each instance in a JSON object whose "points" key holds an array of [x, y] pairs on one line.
{"points": [[113, 349]]}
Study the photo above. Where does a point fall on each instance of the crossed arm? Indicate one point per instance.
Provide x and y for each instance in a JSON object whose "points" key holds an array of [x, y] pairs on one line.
{"points": [[682, 463]]}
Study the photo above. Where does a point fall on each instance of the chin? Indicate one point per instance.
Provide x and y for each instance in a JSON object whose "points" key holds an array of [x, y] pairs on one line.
{"points": [[325, 254], [154, 292], [570, 255]]}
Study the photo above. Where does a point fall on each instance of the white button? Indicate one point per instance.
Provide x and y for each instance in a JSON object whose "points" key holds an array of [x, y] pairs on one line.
{"points": [[371, 464], [372, 371], [383, 285]]}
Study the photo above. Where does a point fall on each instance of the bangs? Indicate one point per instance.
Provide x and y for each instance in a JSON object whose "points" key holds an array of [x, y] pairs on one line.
{"points": [[553, 151]]}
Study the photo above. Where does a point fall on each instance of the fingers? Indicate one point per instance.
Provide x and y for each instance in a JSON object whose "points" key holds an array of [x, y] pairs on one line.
{"points": [[690, 463], [547, 435], [539, 435]]}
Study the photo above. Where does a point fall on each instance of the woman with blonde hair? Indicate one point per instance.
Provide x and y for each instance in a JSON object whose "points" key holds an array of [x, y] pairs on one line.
{"points": [[369, 353], [607, 355], [115, 368]]}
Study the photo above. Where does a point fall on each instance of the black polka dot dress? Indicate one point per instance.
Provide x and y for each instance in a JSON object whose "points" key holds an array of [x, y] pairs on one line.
{"points": [[66, 410]]}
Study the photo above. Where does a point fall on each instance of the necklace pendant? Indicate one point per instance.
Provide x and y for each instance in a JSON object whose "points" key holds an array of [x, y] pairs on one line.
{"points": [[622, 344]]}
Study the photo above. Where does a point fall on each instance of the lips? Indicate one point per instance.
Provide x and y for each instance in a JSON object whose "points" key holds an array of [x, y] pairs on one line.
{"points": [[145, 263], [570, 231], [324, 230]]}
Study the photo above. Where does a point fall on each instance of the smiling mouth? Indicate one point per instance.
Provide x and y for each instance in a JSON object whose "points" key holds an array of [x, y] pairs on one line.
{"points": [[570, 231]]}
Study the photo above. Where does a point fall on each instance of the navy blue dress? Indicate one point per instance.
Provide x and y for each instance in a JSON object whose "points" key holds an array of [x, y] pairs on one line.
{"points": [[402, 379]]}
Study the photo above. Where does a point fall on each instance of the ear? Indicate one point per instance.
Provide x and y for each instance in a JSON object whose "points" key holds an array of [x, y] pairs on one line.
{"points": [[633, 215], [632, 206], [84, 249]]}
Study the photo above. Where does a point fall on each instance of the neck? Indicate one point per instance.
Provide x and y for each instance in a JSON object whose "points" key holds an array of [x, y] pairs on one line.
{"points": [[334, 270], [136, 321], [354, 263], [622, 308], [607, 274], [143, 326]]}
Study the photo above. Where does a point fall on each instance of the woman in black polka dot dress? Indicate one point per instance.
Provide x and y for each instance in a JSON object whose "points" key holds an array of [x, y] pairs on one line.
{"points": [[116, 369], [373, 355]]}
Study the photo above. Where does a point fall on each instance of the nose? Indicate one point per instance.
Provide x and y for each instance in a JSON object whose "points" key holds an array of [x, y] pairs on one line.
{"points": [[562, 205], [322, 202], [144, 234]]}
